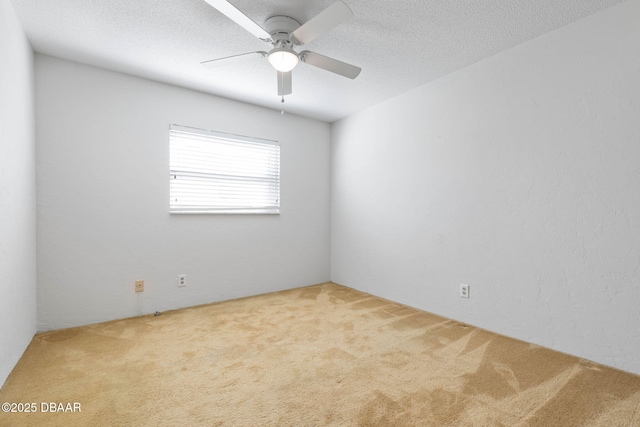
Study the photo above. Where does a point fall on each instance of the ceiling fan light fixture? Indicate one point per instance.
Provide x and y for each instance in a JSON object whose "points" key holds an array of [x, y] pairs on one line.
{"points": [[283, 59]]}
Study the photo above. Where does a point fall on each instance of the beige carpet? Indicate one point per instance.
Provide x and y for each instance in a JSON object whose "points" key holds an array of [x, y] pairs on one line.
{"points": [[315, 356]]}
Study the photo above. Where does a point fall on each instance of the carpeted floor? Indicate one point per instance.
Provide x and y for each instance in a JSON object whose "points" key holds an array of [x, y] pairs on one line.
{"points": [[315, 356]]}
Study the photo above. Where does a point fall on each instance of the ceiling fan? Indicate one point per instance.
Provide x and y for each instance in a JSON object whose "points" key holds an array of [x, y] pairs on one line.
{"points": [[284, 33]]}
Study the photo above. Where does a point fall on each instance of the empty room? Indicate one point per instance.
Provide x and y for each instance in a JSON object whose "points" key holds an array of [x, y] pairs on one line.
{"points": [[320, 213]]}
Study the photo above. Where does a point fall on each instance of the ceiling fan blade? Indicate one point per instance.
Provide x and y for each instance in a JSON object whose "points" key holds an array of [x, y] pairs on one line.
{"points": [[231, 12], [284, 83], [218, 62], [330, 64], [331, 17]]}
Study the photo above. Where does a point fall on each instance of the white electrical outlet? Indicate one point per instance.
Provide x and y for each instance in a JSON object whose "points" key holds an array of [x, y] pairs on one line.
{"points": [[464, 291], [182, 280]]}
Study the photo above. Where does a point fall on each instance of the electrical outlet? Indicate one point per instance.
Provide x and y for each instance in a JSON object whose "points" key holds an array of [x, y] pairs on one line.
{"points": [[182, 280], [464, 291], [139, 285]]}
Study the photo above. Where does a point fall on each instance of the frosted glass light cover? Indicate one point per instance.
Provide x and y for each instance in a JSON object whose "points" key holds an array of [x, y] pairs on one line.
{"points": [[283, 59]]}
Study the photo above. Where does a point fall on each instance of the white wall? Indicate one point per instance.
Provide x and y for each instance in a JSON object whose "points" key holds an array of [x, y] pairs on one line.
{"points": [[103, 183], [519, 175], [17, 193]]}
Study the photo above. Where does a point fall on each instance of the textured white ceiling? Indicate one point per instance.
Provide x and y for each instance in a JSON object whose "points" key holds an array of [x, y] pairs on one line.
{"points": [[400, 45]]}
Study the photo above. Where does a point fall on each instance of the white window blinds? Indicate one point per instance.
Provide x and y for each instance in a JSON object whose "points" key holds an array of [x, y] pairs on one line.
{"points": [[213, 172]]}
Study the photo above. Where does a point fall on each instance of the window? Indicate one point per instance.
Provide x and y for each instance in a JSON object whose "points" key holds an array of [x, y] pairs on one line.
{"points": [[214, 172]]}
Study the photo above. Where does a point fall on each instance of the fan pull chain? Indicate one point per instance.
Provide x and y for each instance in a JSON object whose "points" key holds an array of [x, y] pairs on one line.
{"points": [[282, 111]]}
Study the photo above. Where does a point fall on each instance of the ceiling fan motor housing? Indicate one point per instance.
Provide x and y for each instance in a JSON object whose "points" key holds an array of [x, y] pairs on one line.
{"points": [[280, 29]]}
